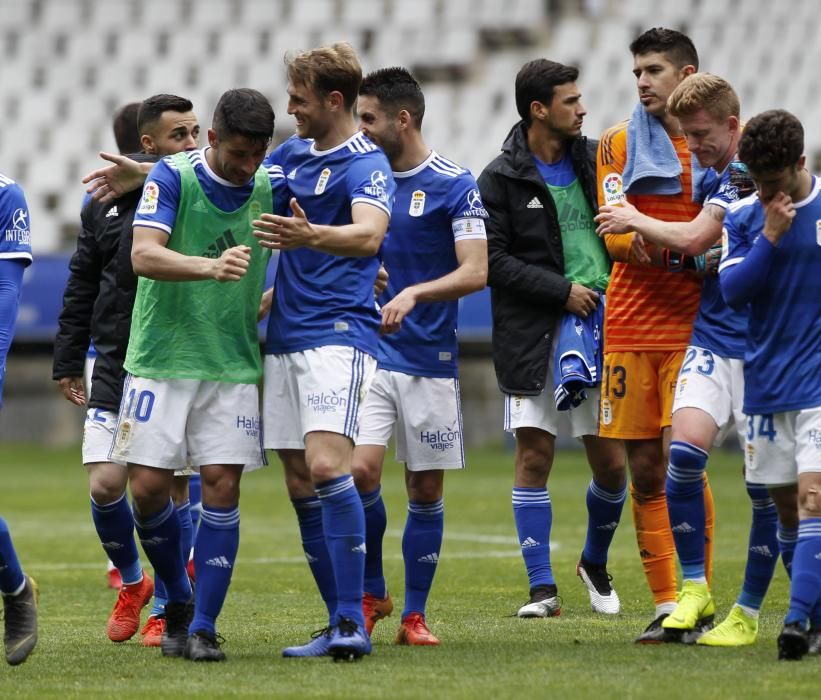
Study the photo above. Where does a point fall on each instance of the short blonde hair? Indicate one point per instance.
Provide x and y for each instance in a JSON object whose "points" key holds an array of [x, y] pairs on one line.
{"points": [[327, 69], [704, 91]]}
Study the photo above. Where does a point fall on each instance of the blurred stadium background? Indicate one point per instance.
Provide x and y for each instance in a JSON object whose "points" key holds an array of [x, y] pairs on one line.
{"points": [[67, 65]]}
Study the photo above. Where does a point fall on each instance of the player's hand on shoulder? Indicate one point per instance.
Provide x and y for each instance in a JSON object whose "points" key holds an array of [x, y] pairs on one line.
{"points": [[232, 265], [779, 213], [615, 219], [582, 301], [112, 181], [73, 390]]}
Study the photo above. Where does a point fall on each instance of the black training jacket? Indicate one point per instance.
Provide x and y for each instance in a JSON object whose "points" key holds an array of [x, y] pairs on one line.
{"points": [[99, 298], [525, 258]]}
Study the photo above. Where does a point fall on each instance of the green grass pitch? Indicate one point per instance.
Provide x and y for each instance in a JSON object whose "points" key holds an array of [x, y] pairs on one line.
{"points": [[485, 651]]}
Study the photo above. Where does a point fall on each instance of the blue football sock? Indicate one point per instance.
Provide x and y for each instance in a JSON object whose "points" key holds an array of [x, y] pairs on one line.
{"points": [[186, 529], [533, 515], [309, 516], [343, 522], [376, 521], [11, 575], [762, 550], [421, 544], [805, 587], [160, 597], [603, 514], [215, 554], [160, 537], [114, 523], [787, 539], [685, 504], [195, 499]]}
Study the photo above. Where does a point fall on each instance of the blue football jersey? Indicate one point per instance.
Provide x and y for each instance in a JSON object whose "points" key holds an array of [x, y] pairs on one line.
{"points": [[161, 192], [15, 233], [782, 362], [437, 203], [718, 327], [323, 299]]}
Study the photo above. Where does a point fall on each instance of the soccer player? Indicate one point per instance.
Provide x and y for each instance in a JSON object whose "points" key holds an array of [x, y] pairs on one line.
{"points": [[193, 356], [435, 251], [322, 331], [710, 387], [545, 265], [97, 305], [771, 262], [650, 310], [19, 591]]}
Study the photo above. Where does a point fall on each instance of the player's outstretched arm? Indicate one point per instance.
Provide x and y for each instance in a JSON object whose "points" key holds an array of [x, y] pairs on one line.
{"points": [[151, 258], [470, 276], [688, 237], [361, 238], [125, 175]]}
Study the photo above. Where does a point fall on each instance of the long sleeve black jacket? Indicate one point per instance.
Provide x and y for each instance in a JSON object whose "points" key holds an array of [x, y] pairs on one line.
{"points": [[526, 259]]}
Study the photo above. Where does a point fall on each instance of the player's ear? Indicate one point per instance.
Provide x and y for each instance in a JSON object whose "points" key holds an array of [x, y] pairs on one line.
{"points": [[335, 100], [148, 144], [538, 111]]}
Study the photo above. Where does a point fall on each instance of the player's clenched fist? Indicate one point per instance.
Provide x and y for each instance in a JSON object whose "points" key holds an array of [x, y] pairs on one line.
{"points": [[232, 264]]}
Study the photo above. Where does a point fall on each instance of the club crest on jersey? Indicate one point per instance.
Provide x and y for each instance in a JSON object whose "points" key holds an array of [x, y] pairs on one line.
{"points": [[322, 182], [151, 196], [417, 203], [612, 189]]}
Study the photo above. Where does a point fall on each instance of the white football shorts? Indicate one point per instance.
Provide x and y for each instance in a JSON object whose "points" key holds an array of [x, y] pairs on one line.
{"points": [[783, 445], [321, 389], [426, 415], [166, 423], [715, 385]]}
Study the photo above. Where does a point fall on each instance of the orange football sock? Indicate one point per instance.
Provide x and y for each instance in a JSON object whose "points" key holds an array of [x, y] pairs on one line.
{"points": [[709, 531], [656, 546]]}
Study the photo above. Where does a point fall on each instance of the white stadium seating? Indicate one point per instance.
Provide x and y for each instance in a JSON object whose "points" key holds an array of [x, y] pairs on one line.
{"points": [[66, 65]]}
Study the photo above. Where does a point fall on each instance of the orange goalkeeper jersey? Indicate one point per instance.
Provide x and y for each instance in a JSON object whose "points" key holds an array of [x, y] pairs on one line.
{"points": [[648, 308]]}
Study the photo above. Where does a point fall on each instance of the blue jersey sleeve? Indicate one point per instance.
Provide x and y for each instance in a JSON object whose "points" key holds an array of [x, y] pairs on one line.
{"points": [[279, 189], [370, 180], [161, 196], [746, 257], [15, 231], [11, 279], [467, 211]]}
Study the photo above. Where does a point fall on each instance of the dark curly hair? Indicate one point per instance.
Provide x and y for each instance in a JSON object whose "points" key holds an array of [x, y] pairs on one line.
{"points": [[772, 140]]}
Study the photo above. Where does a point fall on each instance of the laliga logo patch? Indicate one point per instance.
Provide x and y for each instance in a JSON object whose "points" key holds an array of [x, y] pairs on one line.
{"points": [[818, 232], [417, 203], [151, 196], [322, 182], [612, 189], [725, 240]]}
